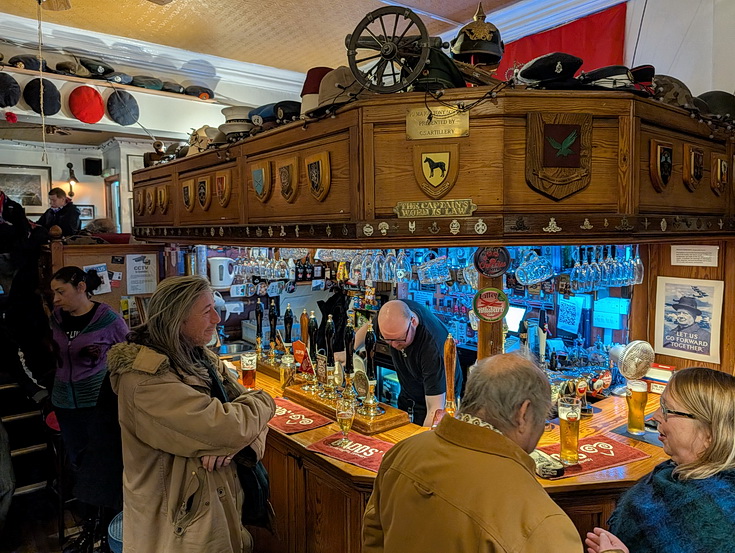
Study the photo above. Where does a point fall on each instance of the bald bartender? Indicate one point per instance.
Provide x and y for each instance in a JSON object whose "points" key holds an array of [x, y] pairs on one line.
{"points": [[416, 338]]}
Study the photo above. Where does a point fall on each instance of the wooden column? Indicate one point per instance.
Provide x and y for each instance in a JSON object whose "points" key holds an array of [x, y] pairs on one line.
{"points": [[489, 335]]}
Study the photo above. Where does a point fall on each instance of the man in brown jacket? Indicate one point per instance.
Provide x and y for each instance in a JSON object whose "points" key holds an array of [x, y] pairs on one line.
{"points": [[470, 485], [183, 419]]}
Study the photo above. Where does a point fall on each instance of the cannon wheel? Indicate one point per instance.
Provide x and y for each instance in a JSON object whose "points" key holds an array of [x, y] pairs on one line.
{"points": [[388, 49]]}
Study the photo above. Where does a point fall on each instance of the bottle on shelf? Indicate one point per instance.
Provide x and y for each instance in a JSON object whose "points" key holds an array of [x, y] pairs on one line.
{"points": [[304, 326], [308, 269], [318, 269], [299, 271], [291, 270]]}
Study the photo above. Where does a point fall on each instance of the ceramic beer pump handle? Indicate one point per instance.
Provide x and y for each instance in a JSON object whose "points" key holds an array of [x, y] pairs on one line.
{"points": [[349, 348], [450, 364], [259, 319], [273, 319], [288, 323], [304, 327], [313, 330]]}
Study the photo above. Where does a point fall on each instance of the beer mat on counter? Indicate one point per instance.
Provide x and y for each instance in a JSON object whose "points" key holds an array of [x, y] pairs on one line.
{"points": [[291, 418], [597, 453], [363, 451], [650, 437]]}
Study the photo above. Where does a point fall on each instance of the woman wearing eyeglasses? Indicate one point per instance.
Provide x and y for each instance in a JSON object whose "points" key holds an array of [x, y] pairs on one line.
{"points": [[687, 504]]}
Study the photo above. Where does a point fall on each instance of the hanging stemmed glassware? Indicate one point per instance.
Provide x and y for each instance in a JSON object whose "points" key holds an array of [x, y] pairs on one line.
{"points": [[378, 267], [608, 268], [356, 266], [367, 266], [575, 282], [639, 268], [403, 267], [389, 267], [595, 273]]}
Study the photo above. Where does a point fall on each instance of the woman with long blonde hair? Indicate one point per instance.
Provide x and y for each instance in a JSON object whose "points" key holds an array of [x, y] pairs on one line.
{"points": [[687, 504]]}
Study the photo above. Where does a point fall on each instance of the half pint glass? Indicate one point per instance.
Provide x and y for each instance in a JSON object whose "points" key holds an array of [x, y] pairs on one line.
{"points": [[637, 397], [248, 366], [570, 411]]}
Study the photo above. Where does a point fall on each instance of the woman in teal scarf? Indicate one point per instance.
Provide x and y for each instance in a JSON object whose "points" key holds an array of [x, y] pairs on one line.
{"points": [[687, 504]]}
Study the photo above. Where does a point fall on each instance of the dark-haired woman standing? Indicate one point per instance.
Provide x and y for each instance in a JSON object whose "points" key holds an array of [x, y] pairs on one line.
{"points": [[84, 330]]}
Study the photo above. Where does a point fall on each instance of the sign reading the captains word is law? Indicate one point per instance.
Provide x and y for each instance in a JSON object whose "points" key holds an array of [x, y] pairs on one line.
{"points": [[434, 208], [440, 122]]}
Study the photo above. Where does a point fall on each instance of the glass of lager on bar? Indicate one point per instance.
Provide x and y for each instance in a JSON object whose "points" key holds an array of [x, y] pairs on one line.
{"points": [[637, 397], [570, 412], [345, 416], [248, 365]]}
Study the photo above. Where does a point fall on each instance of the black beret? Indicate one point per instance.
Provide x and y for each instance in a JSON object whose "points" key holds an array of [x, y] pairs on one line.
{"points": [[556, 66], [122, 108], [610, 76], [51, 96], [118, 77], [287, 111], [201, 91], [27, 61], [144, 81], [9, 90], [170, 86], [96, 67]]}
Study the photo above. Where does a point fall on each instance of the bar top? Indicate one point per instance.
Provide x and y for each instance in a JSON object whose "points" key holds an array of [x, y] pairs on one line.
{"points": [[609, 414]]}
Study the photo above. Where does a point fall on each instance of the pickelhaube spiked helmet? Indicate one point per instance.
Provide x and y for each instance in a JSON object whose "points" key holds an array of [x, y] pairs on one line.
{"points": [[478, 42]]}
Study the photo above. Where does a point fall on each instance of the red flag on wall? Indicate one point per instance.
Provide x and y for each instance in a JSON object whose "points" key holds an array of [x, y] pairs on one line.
{"points": [[599, 39]]}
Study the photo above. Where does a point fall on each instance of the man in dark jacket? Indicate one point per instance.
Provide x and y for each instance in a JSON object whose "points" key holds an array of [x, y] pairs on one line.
{"points": [[62, 213]]}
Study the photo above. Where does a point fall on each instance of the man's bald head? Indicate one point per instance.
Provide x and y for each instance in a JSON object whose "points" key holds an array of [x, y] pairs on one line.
{"points": [[393, 317]]}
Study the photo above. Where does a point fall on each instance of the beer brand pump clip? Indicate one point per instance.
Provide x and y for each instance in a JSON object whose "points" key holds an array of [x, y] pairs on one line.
{"points": [[370, 406]]}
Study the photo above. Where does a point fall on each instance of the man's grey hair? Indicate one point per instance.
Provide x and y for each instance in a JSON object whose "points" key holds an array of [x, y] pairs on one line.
{"points": [[498, 386]]}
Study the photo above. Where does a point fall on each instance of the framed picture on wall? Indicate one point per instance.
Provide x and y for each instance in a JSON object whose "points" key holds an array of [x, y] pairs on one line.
{"points": [[86, 212], [688, 318], [135, 162], [28, 185]]}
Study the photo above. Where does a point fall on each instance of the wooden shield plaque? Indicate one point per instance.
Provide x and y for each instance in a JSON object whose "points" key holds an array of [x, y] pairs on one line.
{"points": [[187, 194], [223, 187], [435, 168], [558, 153], [319, 174], [693, 166], [661, 164], [288, 178], [720, 175], [139, 202], [260, 180], [162, 198], [204, 192]]}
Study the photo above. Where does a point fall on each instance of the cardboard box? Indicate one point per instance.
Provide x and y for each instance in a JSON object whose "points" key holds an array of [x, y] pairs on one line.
{"points": [[657, 377]]}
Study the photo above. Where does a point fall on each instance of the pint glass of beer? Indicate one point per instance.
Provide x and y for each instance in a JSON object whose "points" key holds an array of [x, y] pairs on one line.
{"points": [[637, 396], [248, 365], [570, 411]]}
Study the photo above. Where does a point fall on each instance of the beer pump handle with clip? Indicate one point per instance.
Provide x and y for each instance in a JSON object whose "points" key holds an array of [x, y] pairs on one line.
{"points": [[543, 330], [313, 329], [329, 335], [349, 368], [450, 365], [288, 323], [370, 406], [304, 326], [273, 320]]}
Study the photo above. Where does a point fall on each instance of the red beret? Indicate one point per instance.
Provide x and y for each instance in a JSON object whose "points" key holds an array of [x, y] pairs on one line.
{"points": [[86, 104]]}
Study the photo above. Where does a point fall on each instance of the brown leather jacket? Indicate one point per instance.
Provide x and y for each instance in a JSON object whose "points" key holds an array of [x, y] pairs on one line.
{"points": [[463, 488], [168, 421]]}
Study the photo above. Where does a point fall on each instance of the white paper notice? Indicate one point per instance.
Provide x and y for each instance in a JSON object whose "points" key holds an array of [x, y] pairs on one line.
{"points": [[101, 269], [694, 256], [141, 273]]}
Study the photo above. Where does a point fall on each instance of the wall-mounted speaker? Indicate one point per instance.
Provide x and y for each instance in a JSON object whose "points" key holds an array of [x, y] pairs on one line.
{"points": [[92, 166]]}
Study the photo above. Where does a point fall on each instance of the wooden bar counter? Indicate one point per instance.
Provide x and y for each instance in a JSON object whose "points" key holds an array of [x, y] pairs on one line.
{"points": [[319, 501]]}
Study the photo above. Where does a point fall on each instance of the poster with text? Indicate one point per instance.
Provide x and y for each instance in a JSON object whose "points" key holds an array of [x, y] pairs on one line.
{"points": [[688, 317], [141, 270]]}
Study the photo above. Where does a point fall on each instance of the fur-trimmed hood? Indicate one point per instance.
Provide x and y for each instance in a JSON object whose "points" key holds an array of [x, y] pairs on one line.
{"points": [[128, 357]]}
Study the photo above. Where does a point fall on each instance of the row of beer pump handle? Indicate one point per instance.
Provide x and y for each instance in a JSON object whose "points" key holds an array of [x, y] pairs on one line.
{"points": [[309, 329]]}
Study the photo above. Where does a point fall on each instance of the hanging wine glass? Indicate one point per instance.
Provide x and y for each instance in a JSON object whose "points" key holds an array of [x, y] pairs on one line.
{"points": [[389, 268], [403, 267], [595, 271], [378, 267], [470, 275], [356, 266], [639, 268], [575, 282]]}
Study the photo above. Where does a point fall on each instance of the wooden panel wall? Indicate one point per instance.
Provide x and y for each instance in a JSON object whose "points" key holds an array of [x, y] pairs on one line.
{"points": [[657, 258]]}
